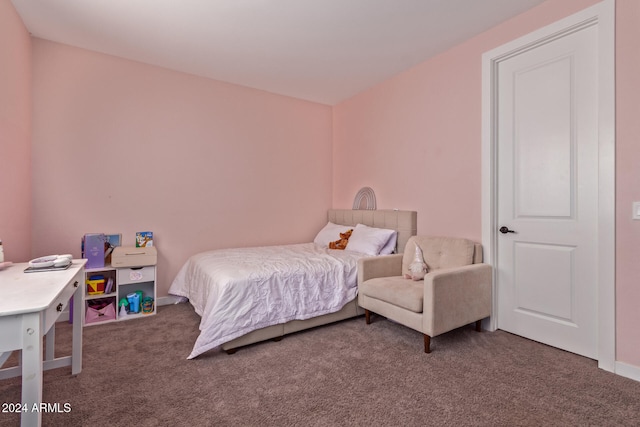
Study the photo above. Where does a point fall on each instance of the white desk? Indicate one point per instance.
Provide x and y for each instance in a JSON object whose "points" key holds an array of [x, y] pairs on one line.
{"points": [[30, 304]]}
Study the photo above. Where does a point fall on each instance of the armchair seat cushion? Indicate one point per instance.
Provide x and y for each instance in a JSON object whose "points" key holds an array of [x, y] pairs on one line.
{"points": [[396, 290]]}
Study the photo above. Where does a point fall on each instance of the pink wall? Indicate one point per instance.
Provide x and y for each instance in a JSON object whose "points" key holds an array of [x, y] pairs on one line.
{"points": [[15, 135], [119, 146], [416, 140]]}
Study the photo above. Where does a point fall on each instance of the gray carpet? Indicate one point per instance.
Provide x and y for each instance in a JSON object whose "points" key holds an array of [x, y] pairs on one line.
{"points": [[135, 373]]}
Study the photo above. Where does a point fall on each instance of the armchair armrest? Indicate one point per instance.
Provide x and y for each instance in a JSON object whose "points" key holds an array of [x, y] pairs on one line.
{"points": [[455, 297], [380, 266]]}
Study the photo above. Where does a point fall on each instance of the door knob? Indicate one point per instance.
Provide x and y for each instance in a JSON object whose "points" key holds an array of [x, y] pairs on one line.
{"points": [[505, 230]]}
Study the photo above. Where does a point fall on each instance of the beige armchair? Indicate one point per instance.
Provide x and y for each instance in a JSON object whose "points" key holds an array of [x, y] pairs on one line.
{"points": [[455, 292]]}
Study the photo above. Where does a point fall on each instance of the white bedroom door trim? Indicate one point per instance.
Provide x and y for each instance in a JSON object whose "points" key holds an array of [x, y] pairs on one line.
{"points": [[603, 15]]}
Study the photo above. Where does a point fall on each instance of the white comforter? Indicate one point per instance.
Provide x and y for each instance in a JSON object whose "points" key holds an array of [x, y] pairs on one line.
{"points": [[236, 291]]}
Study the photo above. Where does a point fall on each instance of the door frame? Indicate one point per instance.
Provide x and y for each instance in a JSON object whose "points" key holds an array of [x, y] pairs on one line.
{"points": [[602, 15]]}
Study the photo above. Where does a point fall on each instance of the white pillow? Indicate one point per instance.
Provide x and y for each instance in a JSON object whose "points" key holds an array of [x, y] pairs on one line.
{"points": [[391, 244], [369, 240], [330, 233]]}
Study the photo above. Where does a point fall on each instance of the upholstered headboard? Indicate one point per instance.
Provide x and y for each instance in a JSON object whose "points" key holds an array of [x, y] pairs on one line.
{"points": [[405, 222]]}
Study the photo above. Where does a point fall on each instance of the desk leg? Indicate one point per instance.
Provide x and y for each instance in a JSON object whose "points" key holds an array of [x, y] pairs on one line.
{"points": [[50, 343], [78, 319], [31, 368]]}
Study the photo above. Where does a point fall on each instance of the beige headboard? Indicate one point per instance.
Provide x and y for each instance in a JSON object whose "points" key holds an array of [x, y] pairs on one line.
{"points": [[405, 222]]}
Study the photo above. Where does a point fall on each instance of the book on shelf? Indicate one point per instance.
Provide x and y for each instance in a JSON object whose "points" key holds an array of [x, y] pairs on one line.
{"points": [[93, 248]]}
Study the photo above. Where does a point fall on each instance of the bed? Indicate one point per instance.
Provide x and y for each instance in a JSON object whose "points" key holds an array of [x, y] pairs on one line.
{"points": [[248, 295]]}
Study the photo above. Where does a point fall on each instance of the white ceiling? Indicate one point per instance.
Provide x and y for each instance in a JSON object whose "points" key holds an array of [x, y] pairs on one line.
{"points": [[319, 50]]}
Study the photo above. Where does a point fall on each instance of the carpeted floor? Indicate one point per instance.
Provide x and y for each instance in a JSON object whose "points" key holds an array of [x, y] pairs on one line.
{"points": [[135, 373]]}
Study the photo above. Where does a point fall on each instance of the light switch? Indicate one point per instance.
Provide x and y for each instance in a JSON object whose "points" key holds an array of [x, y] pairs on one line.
{"points": [[636, 210]]}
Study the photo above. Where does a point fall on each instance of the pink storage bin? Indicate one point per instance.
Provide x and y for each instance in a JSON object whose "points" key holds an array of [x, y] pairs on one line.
{"points": [[100, 310]]}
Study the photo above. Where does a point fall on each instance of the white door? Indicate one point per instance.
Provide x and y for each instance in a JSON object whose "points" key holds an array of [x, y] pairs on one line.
{"points": [[547, 155]]}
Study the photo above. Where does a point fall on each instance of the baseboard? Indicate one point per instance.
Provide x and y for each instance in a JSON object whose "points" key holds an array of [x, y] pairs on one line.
{"points": [[629, 371], [170, 299]]}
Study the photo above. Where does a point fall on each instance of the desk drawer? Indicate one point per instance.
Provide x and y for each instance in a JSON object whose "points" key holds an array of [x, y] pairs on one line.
{"points": [[136, 275], [56, 308]]}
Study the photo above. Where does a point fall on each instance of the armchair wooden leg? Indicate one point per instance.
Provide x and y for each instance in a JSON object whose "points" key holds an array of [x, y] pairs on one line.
{"points": [[479, 325], [427, 343], [367, 316]]}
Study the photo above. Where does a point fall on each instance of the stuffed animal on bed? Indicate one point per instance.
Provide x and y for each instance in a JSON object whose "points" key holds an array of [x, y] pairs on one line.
{"points": [[342, 242]]}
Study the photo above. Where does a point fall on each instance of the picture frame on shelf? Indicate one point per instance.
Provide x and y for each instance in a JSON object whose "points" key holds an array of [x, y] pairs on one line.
{"points": [[110, 242]]}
